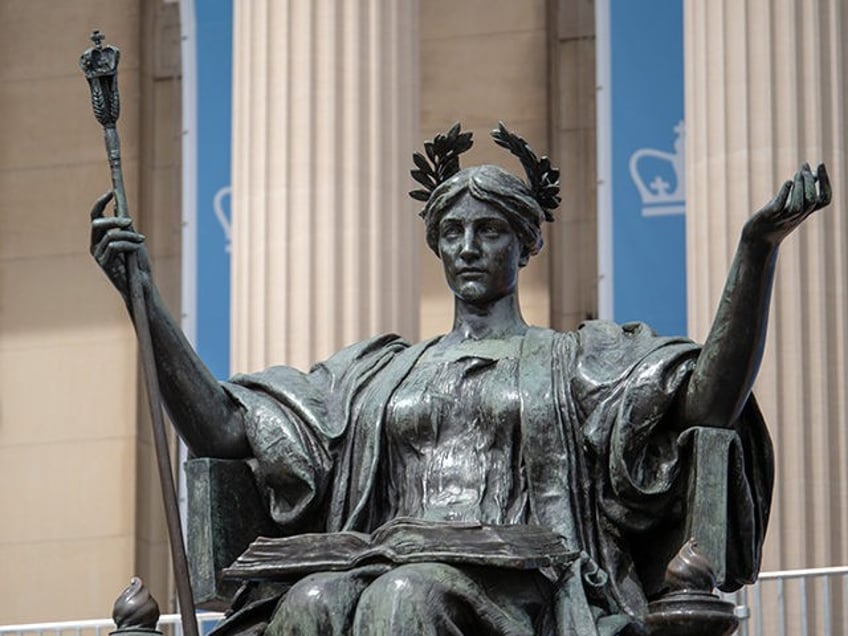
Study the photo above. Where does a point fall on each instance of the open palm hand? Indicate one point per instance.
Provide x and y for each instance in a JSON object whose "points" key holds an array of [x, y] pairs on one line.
{"points": [[797, 199]]}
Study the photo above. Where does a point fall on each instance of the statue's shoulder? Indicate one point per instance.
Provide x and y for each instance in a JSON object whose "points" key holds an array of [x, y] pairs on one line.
{"points": [[599, 329], [596, 334], [607, 329], [605, 333], [342, 362], [606, 349], [364, 351]]}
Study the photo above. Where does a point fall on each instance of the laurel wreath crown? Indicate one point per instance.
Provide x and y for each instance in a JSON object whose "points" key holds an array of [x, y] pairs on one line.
{"points": [[442, 162]]}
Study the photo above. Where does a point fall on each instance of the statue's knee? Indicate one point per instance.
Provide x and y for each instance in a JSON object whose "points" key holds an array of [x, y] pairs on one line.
{"points": [[412, 580], [309, 600], [321, 603], [407, 600], [409, 585]]}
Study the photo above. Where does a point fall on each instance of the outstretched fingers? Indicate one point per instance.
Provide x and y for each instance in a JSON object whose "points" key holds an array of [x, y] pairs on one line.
{"points": [[795, 201], [825, 191], [795, 205], [806, 196], [811, 195], [780, 199]]}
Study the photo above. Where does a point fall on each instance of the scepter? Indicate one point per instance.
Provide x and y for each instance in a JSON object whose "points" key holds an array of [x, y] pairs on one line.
{"points": [[100, 65]]}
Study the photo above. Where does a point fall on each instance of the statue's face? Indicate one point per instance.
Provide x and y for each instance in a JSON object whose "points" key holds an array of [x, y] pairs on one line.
{"points": [[480, 252]]}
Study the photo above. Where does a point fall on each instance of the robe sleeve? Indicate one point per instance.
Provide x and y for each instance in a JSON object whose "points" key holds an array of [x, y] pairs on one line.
{"points": [[625, 384], [295, 423]]}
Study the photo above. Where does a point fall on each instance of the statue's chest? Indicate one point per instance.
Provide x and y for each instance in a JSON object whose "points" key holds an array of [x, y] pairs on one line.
{"points": [[453, 439], [475, 400]]}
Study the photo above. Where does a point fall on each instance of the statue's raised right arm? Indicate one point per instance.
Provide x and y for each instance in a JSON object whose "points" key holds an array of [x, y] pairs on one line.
{"points": [[207, 418], [728, 363]]}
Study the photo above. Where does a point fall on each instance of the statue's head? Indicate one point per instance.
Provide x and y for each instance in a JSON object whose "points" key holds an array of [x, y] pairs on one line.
{"points": [[493, 185], [524, 205]]}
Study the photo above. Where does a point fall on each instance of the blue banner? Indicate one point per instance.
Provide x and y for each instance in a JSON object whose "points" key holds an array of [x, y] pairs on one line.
{"points": [[213, 36], [646, 162]]}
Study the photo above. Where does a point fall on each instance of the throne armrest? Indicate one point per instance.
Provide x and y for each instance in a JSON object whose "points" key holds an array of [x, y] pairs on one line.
{"points": [[225, 513], [688, 605], [706, 519], [702, 517]]}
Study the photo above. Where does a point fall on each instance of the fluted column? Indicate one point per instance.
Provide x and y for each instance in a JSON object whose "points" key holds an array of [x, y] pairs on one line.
{"points": [[765, 90], [324, 124]]}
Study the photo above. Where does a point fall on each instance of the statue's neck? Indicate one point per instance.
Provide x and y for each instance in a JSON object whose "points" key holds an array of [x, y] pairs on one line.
{"points": [[498, 319]]}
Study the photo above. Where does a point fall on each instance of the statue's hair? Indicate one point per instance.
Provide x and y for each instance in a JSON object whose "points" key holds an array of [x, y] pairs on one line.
{"points": [[493, 185]]}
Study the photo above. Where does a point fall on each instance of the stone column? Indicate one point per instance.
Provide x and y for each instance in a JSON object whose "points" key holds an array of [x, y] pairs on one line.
{"points": [[324, 124], [574, 244], [765, 90]]}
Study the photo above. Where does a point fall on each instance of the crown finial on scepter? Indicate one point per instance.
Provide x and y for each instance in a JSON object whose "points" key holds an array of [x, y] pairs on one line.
{"points": [[100, 65], [99, 60]]}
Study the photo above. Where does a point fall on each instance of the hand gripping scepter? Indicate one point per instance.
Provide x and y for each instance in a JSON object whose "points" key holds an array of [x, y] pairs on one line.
{"points": [[100, 65]]}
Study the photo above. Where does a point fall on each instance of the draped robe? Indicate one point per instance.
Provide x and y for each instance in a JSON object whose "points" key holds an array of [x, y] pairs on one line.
{"points": [[604, 462]]}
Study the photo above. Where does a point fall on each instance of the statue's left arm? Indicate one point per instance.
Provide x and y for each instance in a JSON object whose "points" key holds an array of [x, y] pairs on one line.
{"points": [[730, 359]]}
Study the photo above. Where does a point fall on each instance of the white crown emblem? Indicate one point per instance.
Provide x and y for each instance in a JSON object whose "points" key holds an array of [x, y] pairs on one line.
{"points": [[658, 197], [223, 215]]}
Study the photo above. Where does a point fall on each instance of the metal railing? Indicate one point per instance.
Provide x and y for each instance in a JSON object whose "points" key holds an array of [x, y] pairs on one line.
{"points": [[168, 624], [806, 602]]}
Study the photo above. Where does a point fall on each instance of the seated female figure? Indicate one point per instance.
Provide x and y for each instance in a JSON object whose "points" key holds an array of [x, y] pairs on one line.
{"points": [[494, 424]]}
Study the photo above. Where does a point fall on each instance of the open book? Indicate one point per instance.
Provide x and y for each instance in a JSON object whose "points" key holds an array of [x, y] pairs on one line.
{"points": [[402, 540]]}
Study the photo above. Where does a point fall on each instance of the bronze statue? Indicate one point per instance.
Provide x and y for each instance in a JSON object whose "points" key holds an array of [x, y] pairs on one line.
{"points": [[496, 433]]}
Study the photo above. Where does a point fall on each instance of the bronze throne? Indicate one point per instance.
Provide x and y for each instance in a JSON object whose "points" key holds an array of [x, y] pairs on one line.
{"points": [[679, 566]]}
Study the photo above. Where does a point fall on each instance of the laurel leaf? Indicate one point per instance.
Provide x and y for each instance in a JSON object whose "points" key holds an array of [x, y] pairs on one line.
{"points": [[500, 140], [439, 146], [424, 179], [550, 198], [443, 152], [462, 144], [421, 162], [451, 167]]}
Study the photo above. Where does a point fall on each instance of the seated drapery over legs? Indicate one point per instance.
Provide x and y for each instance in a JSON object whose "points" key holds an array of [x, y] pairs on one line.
{"points": [[499, 479], [323, 603], [414, 599]]}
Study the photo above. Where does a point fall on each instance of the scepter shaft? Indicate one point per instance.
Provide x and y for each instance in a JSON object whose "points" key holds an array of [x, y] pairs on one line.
{"points": [[113, 151], [100, 66]]}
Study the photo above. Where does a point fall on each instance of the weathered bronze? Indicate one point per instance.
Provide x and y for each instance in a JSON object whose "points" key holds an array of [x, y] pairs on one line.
{"points": [[100, 65], [135, 611], [690, 608], [499, 479]]}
